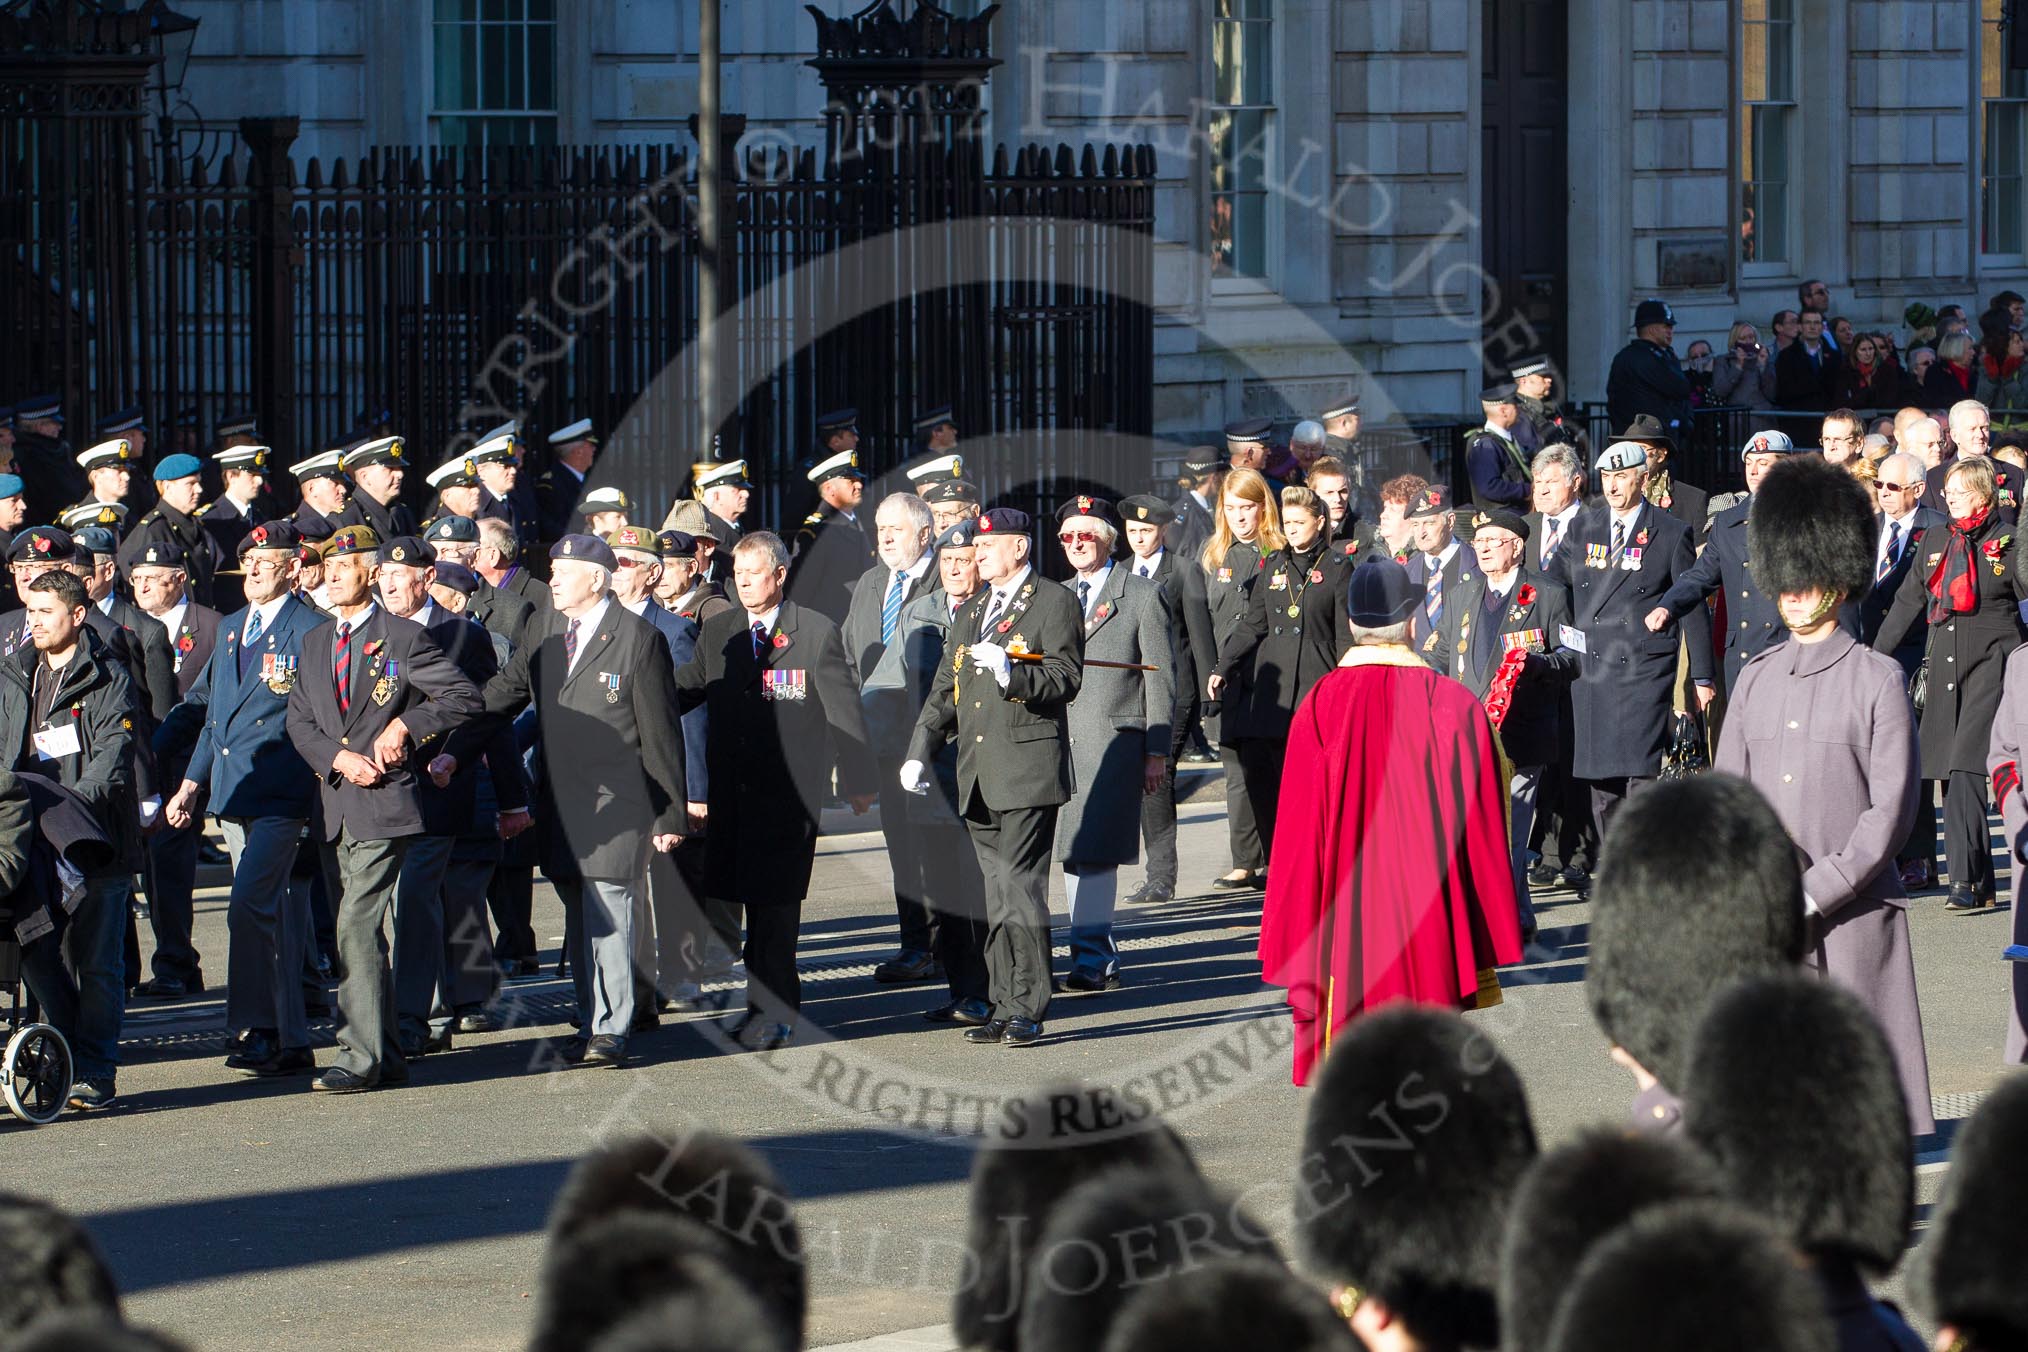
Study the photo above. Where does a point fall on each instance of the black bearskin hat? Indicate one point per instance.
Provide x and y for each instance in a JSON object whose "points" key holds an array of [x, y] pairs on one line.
{"points": [[1228, 1303], [1418, 1131], [50, 1264], [1810, 526], [1974, 1264], [1697, 887], [1792, 1088], [1573, 1197], [601, 1274]]}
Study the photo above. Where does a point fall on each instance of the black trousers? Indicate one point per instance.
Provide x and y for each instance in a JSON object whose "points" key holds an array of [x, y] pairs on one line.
{"points": [[956, 892], [1608, 794], [904, 854], [1158, 809], [1920, 847], [169, 873], [511, 898], [1968, 842], [1564, 833], [1260, 762], [1013, 848], [1240, 822], [773, 989]]}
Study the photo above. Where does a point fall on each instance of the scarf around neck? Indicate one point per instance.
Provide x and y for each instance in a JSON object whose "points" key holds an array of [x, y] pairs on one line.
{"points": [[1953, 585]]}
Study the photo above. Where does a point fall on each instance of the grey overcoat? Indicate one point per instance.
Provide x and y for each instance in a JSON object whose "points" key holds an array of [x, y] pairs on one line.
{"points": [[1117, 720], [2003, 763], [1826, 732]]}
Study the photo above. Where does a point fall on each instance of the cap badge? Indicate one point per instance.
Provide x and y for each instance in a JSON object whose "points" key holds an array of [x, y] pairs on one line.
{"points": [[1142, 512], [1083, 503], [397, 554]]}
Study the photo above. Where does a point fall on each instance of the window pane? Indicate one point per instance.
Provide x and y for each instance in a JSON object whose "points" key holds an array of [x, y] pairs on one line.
{"points": [[1219, 131], [2001, 188], [542, 67], [1249, 235], [450, 11], [1781, 61], [1250, 150], [1225, 46], [1256, 64], [1219, 233], [1753, 62], [494, 42]]}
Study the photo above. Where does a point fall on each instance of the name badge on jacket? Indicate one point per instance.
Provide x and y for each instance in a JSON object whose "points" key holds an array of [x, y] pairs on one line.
{"points": [[784, 685], [56, 742]]}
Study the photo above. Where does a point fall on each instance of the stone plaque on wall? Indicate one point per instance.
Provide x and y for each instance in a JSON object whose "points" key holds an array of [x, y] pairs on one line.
{"points": [[1699, 263]]}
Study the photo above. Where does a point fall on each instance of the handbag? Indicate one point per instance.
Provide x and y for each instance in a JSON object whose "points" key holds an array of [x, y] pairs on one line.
{"points": [[1685, 754], [1918, 684]]}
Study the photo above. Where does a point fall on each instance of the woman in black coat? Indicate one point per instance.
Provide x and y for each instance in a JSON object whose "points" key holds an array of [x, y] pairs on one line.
{"points": [[1292, 633], [1968, 581], [1249, 529]]}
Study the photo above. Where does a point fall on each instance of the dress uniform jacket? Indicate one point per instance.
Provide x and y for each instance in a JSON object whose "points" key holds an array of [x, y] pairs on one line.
{"points": [[385, 521], [889, 709], [314, 524], [93, 698], [1270, 659], [1118, 719], [1535, 614], [1013, 744], [2003, 761], [1880, 597], [1647, 378], [191, 645], [727, 534], [1824, 730], [1193, 528], [1753, 619], [1967, 654], [778, 724], [1498, 468], [239, 724], [827, 557], [396, 672], [228, 525], [501, 612], [1621, 702], [1227, 588], [1190, 635], [556, 498], [145, 647], [164, 523], [611, 751]]}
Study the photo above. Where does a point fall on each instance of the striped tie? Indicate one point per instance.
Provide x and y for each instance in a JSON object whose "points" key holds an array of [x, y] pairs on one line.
{"points": [[1893, 552], [1433, 603], [570, 647], [341, 664], [1619, 539], [890, 609]]}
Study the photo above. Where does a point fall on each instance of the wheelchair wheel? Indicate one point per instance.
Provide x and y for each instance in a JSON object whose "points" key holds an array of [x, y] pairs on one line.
{"points": [[35, 1075]]}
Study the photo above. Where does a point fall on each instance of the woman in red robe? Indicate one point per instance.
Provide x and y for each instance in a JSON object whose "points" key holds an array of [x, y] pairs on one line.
{"points": [[1392, 878]]}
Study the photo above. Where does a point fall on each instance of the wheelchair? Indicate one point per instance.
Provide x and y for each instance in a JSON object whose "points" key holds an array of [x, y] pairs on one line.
{"points": [[35, 1072]]}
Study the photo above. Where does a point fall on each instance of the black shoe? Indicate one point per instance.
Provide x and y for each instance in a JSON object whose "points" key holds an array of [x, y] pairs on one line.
{"points": [[286, 1061], [1963, 901], [1545, 874], [435, 1042], [739, 1025], [763, 1035], [1021, 1033], [208, 852], [1225, 882], [987, 1034], [170, 988], [478, 1021], [416, 1048], [1085, 982], [605, 1051], [974, 1012], [908, 965], [338, 1080], [521, 969], [570, 1050], [1151, 893], [646, 1020], [255, 1051]]}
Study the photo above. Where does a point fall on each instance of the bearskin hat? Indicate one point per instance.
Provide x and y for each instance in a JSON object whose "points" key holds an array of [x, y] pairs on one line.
{"points": [[1573, 1197], [91, 1332], [1044, 1144], [1690, 1276], [1975, 1269], [1679, 914], [1228, 1303], [1775, 1060], [1810, 526], [719, 1183], [50, 1264], [602, 1273], [1418, 1131], [1112, 1235], [708, 1316]]}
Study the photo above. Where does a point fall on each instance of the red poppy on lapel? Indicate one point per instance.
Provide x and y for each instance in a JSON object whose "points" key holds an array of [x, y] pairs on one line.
{"points": [[781, 640], [1105, 609], [1525, 596], [374, 646], [185, 643], [1003, 626], [1642, 538], [1316, 575]]}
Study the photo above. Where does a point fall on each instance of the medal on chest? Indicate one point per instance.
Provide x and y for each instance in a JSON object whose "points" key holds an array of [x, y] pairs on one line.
{"points": [[278, 672], [611, 681], [384, 688]]}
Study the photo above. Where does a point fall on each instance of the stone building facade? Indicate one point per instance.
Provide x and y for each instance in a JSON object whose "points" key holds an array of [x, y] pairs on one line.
{"points": [[1408, 191]]}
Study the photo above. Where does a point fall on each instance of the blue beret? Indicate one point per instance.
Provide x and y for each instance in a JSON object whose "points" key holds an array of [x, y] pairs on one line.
{"points": [[960, 536], [103, 543], [1380, 594], [11, 486], [455, 529], [458, 578], [1004, 521], [177, 467], [585, 549]]}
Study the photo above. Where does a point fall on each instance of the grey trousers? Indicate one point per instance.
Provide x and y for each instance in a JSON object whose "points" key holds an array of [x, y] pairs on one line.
{"points": [[470, 974], [599, 931], [1522, 790], [419, 933], [367, 871], [268, 922]]}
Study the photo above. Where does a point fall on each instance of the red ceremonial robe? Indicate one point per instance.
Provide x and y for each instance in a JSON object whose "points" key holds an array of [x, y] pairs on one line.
{"points": [[1391, 878]]}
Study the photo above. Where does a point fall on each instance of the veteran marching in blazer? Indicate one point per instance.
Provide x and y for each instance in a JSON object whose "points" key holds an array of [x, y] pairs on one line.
{"points": [[1120, 734], [247, 772], [367, 684], [1623, 556], [782, 710], [1014, 769]]}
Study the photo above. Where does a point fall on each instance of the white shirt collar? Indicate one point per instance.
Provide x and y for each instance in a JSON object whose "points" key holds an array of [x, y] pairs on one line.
{"points": [[1149, 566], [1005, 591], [1202, 501], [1563, 517], [1627, 518], [1444, 556], [268, 611], [358, 621], [172, 618], [1506, 588], [636, 607], [427, 616], [913, 572], [1098, 582], [587, 625], [1905, 520], [105, 604], [766, 619], [1501, 432]]}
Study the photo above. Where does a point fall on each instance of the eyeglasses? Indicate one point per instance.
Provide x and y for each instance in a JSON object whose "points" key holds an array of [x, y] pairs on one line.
{"points": [[1079, 537], [626, 562], [1887, 487]]}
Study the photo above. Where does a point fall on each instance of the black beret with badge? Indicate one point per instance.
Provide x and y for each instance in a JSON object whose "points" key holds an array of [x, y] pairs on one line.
{"points": [[407, 549], [1146, 507], [1499, 518]]}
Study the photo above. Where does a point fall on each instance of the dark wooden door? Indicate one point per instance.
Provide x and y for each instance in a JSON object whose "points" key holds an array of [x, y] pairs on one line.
{"points": [[1525, 171]]}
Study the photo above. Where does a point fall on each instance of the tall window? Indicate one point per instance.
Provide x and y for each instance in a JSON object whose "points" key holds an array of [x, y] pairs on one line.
{"points": [[1766, 129], [2003, 140], [1242, 123], [495, 72]]}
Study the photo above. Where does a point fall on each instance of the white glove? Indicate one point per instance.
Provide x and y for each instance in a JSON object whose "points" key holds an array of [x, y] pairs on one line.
{"points": [[993, 658], [151, 808], [913, 777]]}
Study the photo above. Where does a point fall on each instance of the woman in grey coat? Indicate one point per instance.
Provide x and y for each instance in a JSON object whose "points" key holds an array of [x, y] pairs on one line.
{"points": [[1822, 726], [1119, 734]]}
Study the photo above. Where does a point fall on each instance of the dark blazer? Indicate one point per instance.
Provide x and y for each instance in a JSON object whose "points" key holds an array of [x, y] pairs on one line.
{"points": [[1621, 700], [1498, 469], [727, 534], [680, 632], [828, 555], [1753, 619], [1271, 659], [611, 756], [237, 730], [1805, 385], [526, 585], [1227, 587], [164, 523], [1193, 527], [313, 523], [706, 599], [397, 672], [190, 646], [385, 522], [227, 526], [556, 497], [1532, 733], [1460, 568], [503, 612], [2006, 490], [449, 811], [1873, 610], [778, 724], [94, 697], [889, 712], [1190, 639], [1013, 744]]}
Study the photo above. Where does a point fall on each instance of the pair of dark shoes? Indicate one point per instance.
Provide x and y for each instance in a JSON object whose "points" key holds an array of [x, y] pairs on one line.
{"points": [[521, 969], [1964, 901], [754, 1033], [601, 1051], [339, 1080], [1151, 893], [261, 1053], [1084, 981], [911, 964], [416, 1048], [1241, 880], [171, 988], [977, 1013], [1005, 1033]]}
